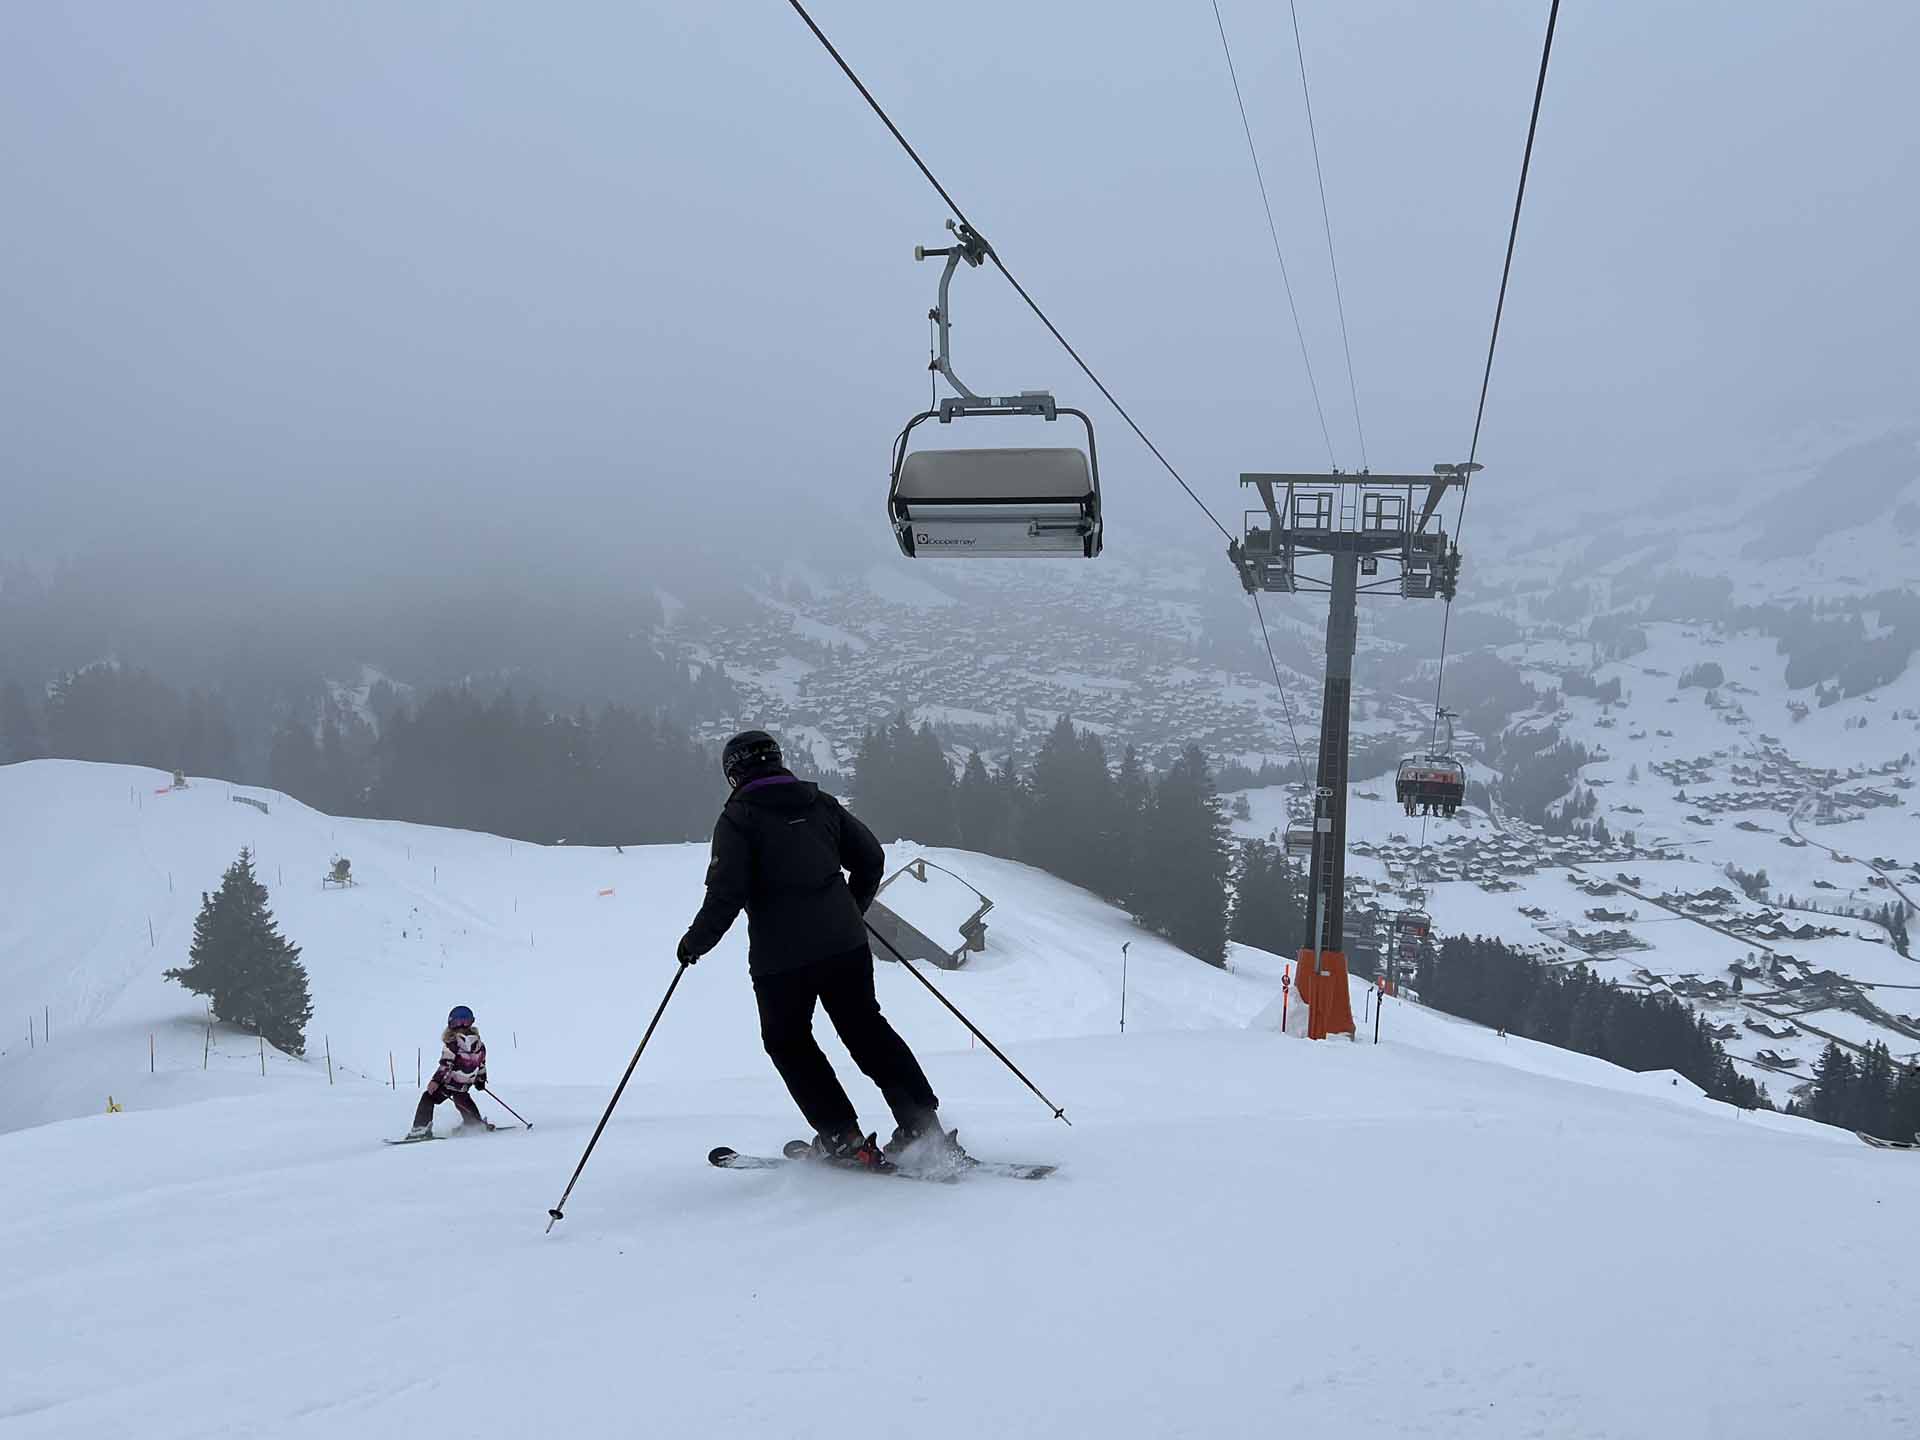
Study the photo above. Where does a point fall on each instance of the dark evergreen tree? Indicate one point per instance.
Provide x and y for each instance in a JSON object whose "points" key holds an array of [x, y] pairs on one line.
{"points": [[1270, 893], [927, 787], [1904, 1107], [1833, 1085], [1187, 862], [1897, 928], [1871, 1110], [1055, 838], [1015, 805], [980, 810], [1132, 794], [240, 961]]}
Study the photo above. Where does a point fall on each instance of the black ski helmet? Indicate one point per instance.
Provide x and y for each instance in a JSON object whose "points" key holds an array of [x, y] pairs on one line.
{"points": [[747, 752]]}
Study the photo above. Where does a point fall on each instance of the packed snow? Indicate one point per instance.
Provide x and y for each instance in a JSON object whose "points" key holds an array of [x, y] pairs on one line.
{"points": [[1446, 1233]]}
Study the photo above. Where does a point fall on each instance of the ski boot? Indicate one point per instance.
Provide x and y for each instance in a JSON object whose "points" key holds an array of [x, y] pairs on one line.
{"points": [[852, 1150], [920, 1144], [421, 1132]]}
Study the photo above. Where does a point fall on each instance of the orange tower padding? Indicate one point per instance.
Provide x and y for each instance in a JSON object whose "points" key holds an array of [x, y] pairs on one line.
{"points": [[1329, 1007]]}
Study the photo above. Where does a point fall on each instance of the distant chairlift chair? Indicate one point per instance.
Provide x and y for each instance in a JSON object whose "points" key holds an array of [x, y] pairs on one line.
{"points": [[1027, 502], [1434, 783]]}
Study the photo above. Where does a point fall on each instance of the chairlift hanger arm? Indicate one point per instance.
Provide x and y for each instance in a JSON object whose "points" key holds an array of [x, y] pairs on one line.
{"points": [[972, 249]]}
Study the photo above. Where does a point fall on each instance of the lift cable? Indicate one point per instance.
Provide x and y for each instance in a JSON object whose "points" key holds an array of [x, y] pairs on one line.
{"points": [[961, 215], [1499, 308], [1286, 706], [1000, 265], [1326, 221], [1273, 231]]}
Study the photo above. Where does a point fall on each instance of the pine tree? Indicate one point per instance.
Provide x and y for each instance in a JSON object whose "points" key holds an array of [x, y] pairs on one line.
{"points": [[1904, 1110], [1132, 792], [980, 810], [244, 966], [1871, 1112], [1187, 862], [1586, 1027], [1269, 907], [926, 785], [875, 783], [1897, 928], [1833, 1083], [1056, 832]]}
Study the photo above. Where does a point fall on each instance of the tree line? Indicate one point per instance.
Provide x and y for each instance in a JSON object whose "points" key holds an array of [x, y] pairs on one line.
{"points": [[1869, 1094], [513, 767], [1157, 845], [127, 717], [1496, 985], [508, 767]]}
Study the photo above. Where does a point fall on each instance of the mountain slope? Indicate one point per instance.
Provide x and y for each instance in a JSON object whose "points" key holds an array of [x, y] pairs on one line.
{"points": [[1445, 1233]]}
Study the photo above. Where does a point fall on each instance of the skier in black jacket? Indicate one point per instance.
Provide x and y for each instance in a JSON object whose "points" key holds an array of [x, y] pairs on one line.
{"points": [[779, 848]]}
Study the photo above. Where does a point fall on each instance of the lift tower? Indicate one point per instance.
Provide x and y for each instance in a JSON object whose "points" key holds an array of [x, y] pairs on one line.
{"points": [[1355, 521]]}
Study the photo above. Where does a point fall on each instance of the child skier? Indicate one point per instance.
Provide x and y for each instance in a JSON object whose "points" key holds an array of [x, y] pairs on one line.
{"points": [[463, 1067], [779, 849]]}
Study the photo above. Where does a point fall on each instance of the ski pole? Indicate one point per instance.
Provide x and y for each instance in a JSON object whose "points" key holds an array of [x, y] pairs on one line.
{"points": [[555, 1212], [999, 1055], [508, 1108]]}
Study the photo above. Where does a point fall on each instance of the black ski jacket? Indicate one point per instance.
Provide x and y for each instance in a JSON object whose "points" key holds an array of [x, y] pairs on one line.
{"points": [[778, 851]]}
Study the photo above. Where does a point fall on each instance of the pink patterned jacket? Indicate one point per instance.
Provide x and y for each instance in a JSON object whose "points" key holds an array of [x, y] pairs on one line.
{"points": [[463, 1060]]}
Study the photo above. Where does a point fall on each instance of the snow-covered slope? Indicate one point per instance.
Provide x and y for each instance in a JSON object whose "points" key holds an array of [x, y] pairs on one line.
{"points": [[561, 952], [1446, 1233]]}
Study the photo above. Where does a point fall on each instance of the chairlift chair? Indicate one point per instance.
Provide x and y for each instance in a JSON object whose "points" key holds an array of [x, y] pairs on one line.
{"points": [[1005, 502], [1432, 783], [1436, 781]]}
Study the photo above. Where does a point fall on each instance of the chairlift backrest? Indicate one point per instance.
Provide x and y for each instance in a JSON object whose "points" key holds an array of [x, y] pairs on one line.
{"points": [[1000, 476]]}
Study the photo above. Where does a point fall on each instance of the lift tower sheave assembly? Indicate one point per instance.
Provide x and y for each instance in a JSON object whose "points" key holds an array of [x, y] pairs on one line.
{"points": [[1356, 521]]}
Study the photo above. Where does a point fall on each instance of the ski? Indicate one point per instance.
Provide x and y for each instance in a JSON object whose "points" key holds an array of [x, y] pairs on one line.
{"points": [[726, 1158], [461, 1133], [947, 1173]]}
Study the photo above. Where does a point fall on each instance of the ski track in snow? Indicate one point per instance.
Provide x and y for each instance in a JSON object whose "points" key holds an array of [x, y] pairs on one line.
{"points": [[1445, 1234]]}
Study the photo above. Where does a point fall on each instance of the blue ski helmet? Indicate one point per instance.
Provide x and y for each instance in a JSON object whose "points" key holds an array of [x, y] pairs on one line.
{"points": [[459, 1018]]}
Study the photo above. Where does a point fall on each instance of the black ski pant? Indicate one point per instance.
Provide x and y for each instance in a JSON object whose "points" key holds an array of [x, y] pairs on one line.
{"points": [[433, 1095], [843, 984]]}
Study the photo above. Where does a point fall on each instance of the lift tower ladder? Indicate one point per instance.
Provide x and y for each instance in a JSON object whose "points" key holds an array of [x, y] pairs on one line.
{"points": [[1356, 521]]}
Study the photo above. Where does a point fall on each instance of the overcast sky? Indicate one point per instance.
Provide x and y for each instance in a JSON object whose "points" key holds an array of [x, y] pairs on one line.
{"points": [[580, 276]]}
